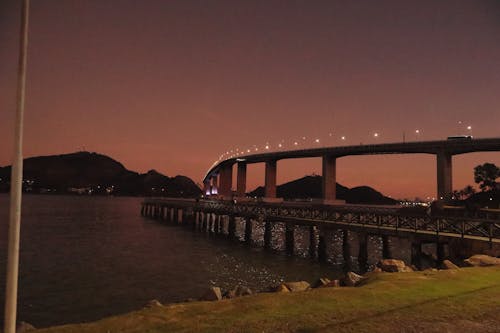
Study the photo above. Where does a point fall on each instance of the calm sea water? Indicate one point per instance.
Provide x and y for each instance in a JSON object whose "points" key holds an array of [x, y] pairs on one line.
{"points": [[84, 258]]}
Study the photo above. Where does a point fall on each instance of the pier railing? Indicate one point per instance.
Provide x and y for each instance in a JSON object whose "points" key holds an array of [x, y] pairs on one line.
{"points": [[483, 225]]}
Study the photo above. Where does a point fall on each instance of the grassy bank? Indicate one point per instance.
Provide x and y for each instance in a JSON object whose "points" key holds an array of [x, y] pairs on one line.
{"points": [[465, 300]]}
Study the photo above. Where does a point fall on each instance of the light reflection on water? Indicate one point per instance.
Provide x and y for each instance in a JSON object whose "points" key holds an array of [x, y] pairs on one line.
{"points": [[83, 258]]}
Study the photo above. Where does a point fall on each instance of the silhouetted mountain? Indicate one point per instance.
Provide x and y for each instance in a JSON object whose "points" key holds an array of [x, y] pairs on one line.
{"points": [[310, 187], [93, 173]]}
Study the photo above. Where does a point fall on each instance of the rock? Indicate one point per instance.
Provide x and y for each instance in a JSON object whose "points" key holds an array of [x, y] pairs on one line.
{"points": [[377, 270], [212, 294], [482, 260], [152, 303], [448, 265], [238, 291], [352, 279], [282, 288], [297, 286], [321, 282], [392, 265], [24, 327], [331, 284]]}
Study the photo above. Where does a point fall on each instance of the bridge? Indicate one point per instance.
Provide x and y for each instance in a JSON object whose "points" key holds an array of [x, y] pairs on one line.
{"points": [[218, 180], [454, 229]]}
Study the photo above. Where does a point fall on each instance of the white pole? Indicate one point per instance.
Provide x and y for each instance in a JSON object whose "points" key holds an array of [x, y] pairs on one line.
{"points": [[16, 183]]}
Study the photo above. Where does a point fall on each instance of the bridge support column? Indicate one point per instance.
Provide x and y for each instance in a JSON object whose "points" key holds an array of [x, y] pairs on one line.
{"points": [[226, 181], [289, 239], [268, 235], [248, 230], [313, 244], [206, 188], [231, 228], [346, 250], [329, 178], [322, 253], [241, 181], [444, 172], [270, 181], [214, 189]]}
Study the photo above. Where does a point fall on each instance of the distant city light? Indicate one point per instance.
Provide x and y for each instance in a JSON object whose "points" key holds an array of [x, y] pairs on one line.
{"points": [[295, 143], [469, 127], [375, 135], [342, 138], [267, 147], [317, 140], [280, 145], [417, 131]]}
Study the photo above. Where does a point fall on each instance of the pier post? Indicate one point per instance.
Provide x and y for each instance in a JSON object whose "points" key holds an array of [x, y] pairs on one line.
{"points": [[289, 238], [204, 222], [363, 252], [313, 246], [386, 247], [232, 227], [211, 222], [248, 230], [346, 250], [322, 254], [142, 209], [440, 253], [176, 215], [416, 253], [268, 235]]}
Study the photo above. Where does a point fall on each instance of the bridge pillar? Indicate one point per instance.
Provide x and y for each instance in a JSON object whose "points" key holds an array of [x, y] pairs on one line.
{"points": [[226, 181], [206, 188], [214, 189], [289, 238], [268, 234], [270, 181], [329, 178], [241, 181], [248, 230], [444, 172]]}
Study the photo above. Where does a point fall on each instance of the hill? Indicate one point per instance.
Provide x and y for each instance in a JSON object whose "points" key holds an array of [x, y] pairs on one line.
{"points": [[310, 187], [93, 173]]}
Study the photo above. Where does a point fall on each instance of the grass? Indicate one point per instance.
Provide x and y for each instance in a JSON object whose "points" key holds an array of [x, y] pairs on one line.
{"points": [[465, 300]]}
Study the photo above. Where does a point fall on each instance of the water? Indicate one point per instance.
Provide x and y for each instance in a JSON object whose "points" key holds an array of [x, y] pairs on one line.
{"points": [[84, 258]]}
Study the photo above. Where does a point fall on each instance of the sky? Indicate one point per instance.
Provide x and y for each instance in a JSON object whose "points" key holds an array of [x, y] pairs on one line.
{"points": [[171, 85]]}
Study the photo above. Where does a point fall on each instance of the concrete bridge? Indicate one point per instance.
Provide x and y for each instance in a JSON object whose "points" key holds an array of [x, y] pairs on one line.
{"points": [[452, 233], [218, 180]]}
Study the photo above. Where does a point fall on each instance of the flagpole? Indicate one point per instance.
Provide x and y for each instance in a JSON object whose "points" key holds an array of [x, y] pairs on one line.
{"points": [[16, 183]]}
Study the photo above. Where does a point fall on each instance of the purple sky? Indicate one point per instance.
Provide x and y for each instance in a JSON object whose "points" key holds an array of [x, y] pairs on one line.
{"points": [[171, 85]]}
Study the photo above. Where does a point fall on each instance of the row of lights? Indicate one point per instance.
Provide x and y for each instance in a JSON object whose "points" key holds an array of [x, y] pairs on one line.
{"points": [[237, 152]]}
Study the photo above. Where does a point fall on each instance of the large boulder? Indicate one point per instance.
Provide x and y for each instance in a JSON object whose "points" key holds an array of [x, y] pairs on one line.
{"points": [[482, 260], [297, 286], [447, 264], [333, 283], [352, 279], [281, 288], [321, 282], [238, 291], [393, 265], [212, 294]]}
